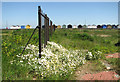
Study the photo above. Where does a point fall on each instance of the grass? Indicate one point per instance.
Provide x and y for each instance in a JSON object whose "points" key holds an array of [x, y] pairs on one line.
{"points": [[81, 39], [115, 63]]}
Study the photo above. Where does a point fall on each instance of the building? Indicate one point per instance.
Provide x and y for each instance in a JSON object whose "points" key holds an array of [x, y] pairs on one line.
{"points": [[91, 26], [69, 26], [99, 26], [22, 26], [28, 26], [74, 26], [64, 26], [118, 26], [84, 26], [79, 26], [58, 26], [104, 26], [114, 26], [13, 27], [109, 26], [6, 27]]}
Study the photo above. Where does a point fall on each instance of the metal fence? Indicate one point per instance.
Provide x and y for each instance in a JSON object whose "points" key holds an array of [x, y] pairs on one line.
{"points": [[45, 27]]}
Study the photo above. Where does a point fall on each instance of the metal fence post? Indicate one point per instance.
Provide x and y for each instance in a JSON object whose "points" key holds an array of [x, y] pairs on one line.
{"points": [[45, 36], [39, 26], [50, 27]]}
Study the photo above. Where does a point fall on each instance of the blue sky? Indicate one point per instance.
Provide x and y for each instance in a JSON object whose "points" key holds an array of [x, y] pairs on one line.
{"points": [[18, 13]]}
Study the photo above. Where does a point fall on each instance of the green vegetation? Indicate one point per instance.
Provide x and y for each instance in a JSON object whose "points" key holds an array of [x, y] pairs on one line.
{"points": [[87, 39], [92, 40]]}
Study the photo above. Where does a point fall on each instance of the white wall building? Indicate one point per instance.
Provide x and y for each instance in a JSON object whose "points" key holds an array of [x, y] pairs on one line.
{"points": [[15, 27], [74, 26], [91, 26], [118, 26]]}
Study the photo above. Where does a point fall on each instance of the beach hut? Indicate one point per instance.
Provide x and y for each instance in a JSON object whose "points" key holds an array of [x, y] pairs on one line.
{"points": [[74, 26], [18, 27], [64, 26], [99, 26], [54, 27], [6, 27], [13, 27], [118, 26], [28, 26], [69, 26], [43, 26], [91, 26], [104, 26], [79, 26], [58, 26], [109, 26], [114, 26], [84, 26], [22, 26]]}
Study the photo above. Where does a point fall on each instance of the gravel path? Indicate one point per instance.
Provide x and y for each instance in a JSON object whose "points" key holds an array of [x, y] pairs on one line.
{"points": [[87, 72]]}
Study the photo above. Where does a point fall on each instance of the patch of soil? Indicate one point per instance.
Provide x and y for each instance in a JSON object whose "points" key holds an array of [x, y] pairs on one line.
{"points": [[104, 35], [87, 68], [90, 71], [105, 75], [4, 34], [116, 55]]}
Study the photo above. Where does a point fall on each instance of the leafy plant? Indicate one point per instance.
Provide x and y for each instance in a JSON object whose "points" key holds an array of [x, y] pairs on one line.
{"points": [[83, 36]]}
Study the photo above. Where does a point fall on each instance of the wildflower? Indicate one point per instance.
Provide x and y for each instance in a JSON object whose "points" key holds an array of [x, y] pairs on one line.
{"points": [[21, 61]]}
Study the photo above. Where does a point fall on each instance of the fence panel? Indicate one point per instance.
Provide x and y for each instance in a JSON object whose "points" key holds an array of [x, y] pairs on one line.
{"points": [[44, 30]]}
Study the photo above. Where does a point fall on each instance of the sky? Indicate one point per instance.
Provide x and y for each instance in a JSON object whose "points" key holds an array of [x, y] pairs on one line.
{"points": [[75, 13]]}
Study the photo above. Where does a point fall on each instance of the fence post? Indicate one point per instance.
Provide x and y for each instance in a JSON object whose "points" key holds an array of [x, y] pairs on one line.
{"points": [[46, 29], [39, 25], [50, 27], [45, 32]]}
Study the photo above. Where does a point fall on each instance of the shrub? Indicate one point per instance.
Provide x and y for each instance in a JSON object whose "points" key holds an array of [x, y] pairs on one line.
{"points": [[107, 41], [94, 55], [97, 53], [83, 36], [65, 34], [85, 30]]}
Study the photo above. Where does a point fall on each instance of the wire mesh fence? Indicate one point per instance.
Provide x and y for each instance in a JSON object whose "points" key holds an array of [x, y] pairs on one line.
{"points": [[44, 31]]}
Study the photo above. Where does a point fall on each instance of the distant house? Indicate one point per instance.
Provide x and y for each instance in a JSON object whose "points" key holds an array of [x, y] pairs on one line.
{"points": [[18, 27], [43, 26], [6, 27], [84, 26], [28, 26], [74, 26], [69, 26], [79, 26], [13, 27], [64, 26], [22, 26], [99, 26], [118, 26], [91, 26], [104, 26], [58, 26], [109, 26], [114, 26]]}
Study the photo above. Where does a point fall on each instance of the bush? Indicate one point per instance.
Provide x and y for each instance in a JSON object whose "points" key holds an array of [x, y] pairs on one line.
{"points": [[97, 53], [83, 36], [85, 30], [104, 50], [94, 55], [107, 41]]}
